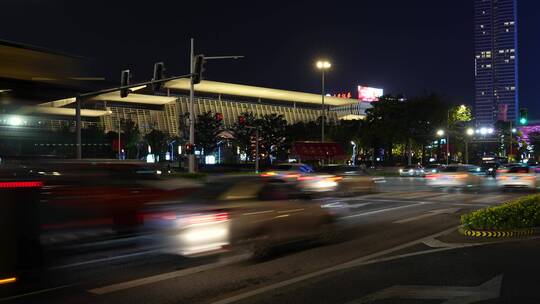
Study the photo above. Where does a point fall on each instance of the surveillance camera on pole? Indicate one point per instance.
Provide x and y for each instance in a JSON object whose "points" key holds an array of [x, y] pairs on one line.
{"points": [[124, 81], [159, 74], [198, 69]]}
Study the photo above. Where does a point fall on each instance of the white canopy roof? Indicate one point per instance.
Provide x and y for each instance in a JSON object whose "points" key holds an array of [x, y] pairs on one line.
{"points": [[60, 111], [215, 87]]}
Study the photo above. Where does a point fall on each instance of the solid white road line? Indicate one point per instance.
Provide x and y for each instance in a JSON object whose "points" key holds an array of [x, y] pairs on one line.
{"points": [[353, 263], [166, 276], [383, 210], [428, 214]]}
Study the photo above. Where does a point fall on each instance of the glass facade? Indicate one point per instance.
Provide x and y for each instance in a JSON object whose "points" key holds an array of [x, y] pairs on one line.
{"points": [[496, 61]]}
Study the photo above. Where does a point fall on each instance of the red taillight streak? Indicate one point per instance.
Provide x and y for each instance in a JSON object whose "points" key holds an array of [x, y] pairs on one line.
{"points": [[432, 176], [208, 218], [11, 185], [304, 178]]}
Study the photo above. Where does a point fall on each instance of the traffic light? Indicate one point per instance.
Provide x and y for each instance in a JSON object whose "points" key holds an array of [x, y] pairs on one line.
{"points": [[523, 116], [219, 116], [241, 120], [124, 81], [198, 69], [159, 73], [189, 149]]}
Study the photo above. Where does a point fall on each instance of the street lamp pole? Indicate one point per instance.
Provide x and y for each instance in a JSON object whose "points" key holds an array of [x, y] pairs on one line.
{"points": [[323, 65], [448, 137], [323, 115], [191, 156]]}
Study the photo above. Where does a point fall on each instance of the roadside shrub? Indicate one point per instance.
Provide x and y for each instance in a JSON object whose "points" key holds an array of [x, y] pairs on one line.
{"points": [[523, 212]]}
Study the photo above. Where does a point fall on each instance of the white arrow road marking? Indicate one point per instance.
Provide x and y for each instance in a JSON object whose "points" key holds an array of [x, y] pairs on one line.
{"points": [[452, 294], [430, 213]]}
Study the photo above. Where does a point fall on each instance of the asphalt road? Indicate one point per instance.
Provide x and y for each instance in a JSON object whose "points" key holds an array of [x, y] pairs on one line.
{"points": [[391, 250]]}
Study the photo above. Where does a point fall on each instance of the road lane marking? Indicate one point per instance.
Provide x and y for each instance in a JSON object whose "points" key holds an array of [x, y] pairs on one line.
{"points": [[343, 266], [113, 258], [452, 294], [382, 210], [166, 276], [428, 214], [493, 199], [34, 293]]}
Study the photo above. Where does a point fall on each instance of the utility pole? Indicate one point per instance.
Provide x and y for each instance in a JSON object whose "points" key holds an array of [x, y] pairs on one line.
{"points": [[257, 150], [191, 111], [78, 101], [119, 132], [511, 138]]}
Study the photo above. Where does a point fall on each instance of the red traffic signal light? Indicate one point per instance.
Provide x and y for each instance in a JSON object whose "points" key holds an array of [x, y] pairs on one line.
{"points": [[219, 116], [190, 149], [242, 120]]}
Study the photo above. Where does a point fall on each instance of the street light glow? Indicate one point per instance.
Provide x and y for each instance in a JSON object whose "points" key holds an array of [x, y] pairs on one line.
{"points": [[353, 143], [323, 64], [514, 130], [15, 121], [470, 131], [440, 132]]}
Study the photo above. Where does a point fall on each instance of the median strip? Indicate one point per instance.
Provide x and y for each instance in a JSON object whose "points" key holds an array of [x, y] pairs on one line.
{"points": [[516, 218]]}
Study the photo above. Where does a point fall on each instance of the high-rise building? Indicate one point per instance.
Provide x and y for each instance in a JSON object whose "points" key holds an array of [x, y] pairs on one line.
{"points": [[496, 61]]}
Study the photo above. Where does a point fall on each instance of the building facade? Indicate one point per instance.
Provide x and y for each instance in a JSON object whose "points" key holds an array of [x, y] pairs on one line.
{"points": [[496, 61]]}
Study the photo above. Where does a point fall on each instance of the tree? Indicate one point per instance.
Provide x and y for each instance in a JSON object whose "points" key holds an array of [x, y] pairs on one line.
{"points": [[207, 130], [272, 135], [243, 132], [131, 137], [157, 140]]}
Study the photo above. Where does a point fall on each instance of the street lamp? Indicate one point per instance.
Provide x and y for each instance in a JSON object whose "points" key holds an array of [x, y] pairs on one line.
{"points": [[323, 65], [440, 133]]}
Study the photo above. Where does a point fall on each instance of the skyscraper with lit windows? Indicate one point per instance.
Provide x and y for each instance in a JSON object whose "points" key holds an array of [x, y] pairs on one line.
{"points": [[496, 61]]}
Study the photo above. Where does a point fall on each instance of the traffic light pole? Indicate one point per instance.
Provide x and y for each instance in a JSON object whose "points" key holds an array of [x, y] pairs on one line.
{"points": [[191, 156]]}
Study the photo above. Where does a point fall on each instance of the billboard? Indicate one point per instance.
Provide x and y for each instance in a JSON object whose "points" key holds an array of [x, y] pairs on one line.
{"points": [[369, 94]]}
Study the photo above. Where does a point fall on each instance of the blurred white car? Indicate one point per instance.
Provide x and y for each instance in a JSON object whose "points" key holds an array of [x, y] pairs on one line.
{"points": [[518, 177], [414, 170], [456, 176], [304, 177]]}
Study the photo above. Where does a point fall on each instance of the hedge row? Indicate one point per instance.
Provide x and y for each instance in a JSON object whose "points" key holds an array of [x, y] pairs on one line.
{"points": [[523, 212]]}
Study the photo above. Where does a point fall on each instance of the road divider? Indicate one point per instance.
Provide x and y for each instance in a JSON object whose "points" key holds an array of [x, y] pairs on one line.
{"points": [[495, 234]]}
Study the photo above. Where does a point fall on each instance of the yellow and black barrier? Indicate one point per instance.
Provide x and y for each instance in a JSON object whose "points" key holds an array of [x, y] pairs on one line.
{"points": [[495, 234]]}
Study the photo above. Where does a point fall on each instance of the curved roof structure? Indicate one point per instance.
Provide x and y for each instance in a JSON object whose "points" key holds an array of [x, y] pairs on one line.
{"points": [[224, 88]]}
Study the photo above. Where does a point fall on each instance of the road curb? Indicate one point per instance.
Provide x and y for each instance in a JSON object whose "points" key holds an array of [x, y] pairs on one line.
{"points": [[499, 233]]}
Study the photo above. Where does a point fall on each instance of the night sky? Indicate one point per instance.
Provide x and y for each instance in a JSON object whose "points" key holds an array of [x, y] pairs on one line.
{"points": [[408, 47]]}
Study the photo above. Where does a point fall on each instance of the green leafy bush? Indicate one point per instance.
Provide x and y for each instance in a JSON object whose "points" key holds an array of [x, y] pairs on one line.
{"points": [[523, 212]]}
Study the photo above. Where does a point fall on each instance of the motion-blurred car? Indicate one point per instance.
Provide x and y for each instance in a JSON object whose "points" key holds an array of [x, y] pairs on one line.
{"points": [[353, 179], [239, 212], [305, 177], [432, 168], [456, 176], [518, 177], [490, 168], [413, 171]]}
